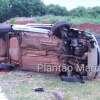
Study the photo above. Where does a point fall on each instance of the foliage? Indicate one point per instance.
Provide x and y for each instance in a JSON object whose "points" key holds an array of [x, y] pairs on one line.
{"points": [[4, 10], [18, 8], [56, 10], [83, 12], [80, 11], [27, 8], [30, 8]]}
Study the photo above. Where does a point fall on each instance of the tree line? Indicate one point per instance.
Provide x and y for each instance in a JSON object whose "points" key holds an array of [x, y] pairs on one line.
{"points": [[29, 8]]}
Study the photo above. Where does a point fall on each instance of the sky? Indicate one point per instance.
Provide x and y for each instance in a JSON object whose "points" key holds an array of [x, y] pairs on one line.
{"points": [[70, 4]]}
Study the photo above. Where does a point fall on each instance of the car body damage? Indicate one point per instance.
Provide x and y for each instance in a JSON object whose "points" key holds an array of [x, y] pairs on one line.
{"points": [[79, 50], [57, 44]]}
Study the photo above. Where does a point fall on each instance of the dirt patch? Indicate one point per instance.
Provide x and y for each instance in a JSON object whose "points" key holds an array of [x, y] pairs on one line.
{"points": [[89, 26], [22, 20]]}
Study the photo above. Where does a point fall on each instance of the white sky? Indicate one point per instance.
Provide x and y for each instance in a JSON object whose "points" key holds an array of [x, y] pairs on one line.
{"points": [[70, 4]]}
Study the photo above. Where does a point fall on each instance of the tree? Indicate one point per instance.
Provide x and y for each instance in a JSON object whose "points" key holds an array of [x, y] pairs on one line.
{"points": [[56, 10], [14, 8], [27, 8], [94, 12], [4, 10], [80, 11]]}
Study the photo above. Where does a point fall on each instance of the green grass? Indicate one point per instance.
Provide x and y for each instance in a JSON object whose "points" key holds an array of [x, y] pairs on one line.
{"points": [[53, 19], [18, 85], [74, 20]]}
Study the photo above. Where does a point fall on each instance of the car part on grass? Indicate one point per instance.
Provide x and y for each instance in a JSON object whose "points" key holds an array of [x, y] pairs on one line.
{"points": [[58, 95]]}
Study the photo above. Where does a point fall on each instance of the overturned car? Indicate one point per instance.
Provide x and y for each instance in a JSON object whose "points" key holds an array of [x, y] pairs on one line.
{"points": [[49, 48]]}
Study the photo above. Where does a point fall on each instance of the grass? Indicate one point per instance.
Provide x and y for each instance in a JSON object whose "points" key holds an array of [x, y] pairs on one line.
{"points": [[70, 19], [18, 85], [53, 19]]}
